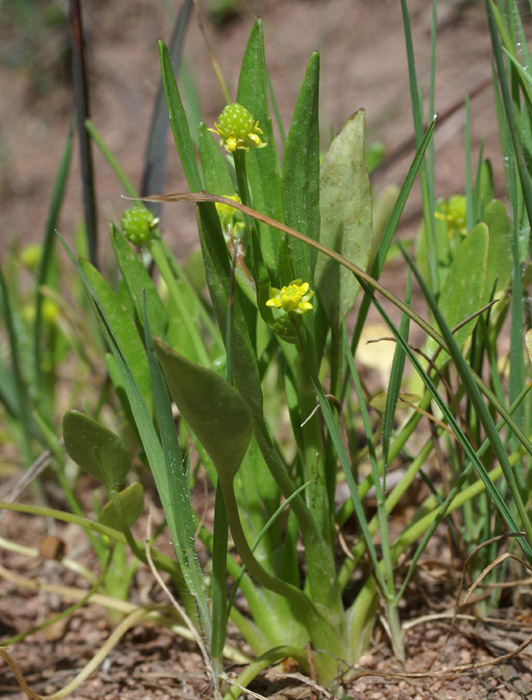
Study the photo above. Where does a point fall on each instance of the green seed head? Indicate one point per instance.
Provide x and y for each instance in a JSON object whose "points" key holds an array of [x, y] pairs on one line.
{"points": [[30, 255], [237, 129], [138, 225]]}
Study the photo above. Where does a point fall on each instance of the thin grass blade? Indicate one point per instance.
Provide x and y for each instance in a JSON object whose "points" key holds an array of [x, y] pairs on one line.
{"points": [[81, 101], [154, 174]]}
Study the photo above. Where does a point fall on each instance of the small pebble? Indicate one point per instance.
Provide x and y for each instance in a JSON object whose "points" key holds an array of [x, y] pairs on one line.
{"points": [[367, 660], [465, 656]]}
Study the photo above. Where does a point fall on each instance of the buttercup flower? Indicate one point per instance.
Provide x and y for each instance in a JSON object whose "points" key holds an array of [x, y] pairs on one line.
{"points": [[237, 129], [454, 213], [138, 225], [295, 297]]}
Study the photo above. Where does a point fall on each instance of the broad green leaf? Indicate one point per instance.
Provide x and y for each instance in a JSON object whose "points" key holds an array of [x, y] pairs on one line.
{"points": [[214, 248], [137, 279], [300, 177], [124, 297], [261, 163], [132, 499], [123, 327], [500, 259], [463, 291], [97, 450], [213, 408], [346, 217], [214, 165], [179, 340]]}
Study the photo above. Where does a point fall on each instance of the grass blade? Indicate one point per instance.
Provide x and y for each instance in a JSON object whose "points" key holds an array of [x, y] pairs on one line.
{"points": [[47, 251], [154, 175], [485, 418], [81, 100], [20, 393]]}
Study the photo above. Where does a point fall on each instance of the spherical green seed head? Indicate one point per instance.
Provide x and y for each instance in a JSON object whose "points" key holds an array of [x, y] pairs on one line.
{"points": [[235, 120], [138, 225], [237, 129]]}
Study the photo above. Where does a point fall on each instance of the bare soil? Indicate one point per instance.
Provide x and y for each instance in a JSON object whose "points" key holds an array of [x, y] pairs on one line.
{"points": [[363, 65], [469, 658]]}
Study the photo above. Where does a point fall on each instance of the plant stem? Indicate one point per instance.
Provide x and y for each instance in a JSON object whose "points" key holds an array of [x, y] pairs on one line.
{"points": [[322, 634]]}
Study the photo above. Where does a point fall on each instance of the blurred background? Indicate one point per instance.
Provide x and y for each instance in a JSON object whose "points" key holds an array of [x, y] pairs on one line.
{"points": [[363, 65]]}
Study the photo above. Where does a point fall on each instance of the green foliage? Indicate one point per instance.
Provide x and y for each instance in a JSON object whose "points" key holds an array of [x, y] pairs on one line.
{"points": [[132, 505], [346, 217], [271, 399], [214, 409], [97, 450]]}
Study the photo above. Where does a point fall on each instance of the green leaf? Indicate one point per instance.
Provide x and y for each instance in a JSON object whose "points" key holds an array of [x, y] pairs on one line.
{"points": [[176, 514], [218, 275], [132, 499], [261, 164], [472, 387], [485, 185], [214, 165], [137, 279], [500, 259], [178, 122], [123, 327], [179, 340], [97, 450], [346, 217], [213, 408], [463, 290], [300, 177]]}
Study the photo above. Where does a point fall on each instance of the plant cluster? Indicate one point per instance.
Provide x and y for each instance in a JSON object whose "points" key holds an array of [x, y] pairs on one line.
{"points": [[271, 405]]}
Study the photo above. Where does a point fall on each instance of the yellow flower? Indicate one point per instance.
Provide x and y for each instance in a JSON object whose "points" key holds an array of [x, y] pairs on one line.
{"points": [[295, 297], [454, 213], [237, 129], [230, 218]]}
